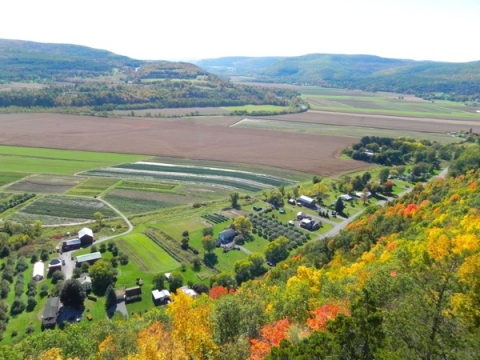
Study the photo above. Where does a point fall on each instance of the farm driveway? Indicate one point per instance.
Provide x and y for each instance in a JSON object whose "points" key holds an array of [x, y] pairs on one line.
{"points": [[67, 269]]}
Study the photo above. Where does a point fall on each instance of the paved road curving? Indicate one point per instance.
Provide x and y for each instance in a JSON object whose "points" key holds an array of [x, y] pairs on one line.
{"points": [[338, 227]]}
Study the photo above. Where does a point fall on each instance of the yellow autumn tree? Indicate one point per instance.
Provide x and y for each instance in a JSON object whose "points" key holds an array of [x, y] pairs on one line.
{"points": [[191, 326], [154, 343]]}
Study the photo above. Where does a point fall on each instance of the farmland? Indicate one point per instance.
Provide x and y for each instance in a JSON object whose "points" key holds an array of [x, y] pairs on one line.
{"points": [[135, 201], [49, 184], [50, 161], [67, 207], [9, 177], [225, 178], [92, 187], [181, 138], [145, 254]]}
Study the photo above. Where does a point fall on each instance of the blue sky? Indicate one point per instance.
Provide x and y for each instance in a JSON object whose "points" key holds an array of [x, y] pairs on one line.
{"points": [[445, 30]]}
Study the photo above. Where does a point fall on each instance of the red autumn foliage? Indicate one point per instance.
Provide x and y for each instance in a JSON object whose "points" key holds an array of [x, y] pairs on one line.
{"points": [[217, 292], [327, 312], [410, 210], [271, 335]]}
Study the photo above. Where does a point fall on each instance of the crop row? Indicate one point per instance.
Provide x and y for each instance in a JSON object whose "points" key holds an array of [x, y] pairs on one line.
{"points": [[65, 207], [171, 246], [215, 218], [206, 171], [148, 175], [146, 186], [137, 205], [14, 201]]}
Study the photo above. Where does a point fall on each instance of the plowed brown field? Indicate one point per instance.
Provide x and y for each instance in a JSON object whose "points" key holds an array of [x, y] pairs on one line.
{"points": [[186, 139]]}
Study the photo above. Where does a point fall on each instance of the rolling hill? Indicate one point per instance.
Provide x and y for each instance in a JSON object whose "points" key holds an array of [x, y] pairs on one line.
{"points": [[364, 72]]}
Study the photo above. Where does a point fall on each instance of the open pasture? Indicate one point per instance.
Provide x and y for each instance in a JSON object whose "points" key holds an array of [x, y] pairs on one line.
{"points": [[92, 186], [251, 108], [223, 178], [9, 177], [48, 184], [68, 207], [145, 254], [179, 139], [137, 201]]}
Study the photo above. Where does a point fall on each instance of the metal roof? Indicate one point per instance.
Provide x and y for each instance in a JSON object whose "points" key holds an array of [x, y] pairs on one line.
{"points": [[88, 257], [85, 231], [72, 242], [157, 295]]}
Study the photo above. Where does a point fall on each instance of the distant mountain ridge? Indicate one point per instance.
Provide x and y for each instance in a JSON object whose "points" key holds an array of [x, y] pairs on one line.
{"points": [[365, 72], [27, 60]]}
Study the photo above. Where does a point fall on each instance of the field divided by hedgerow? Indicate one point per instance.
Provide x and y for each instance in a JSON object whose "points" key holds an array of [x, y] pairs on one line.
{"points": [[218, 177]]}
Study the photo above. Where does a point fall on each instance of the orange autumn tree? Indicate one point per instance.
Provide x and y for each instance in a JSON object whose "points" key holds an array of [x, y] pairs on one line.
{"points": [[325, 313], [192, 327], [270, 335], [217, 292], [155, 343]]}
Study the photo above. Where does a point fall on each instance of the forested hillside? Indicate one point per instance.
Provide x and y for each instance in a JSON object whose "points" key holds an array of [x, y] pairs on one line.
{"points": [[28, 60], [456, 81], [401, 282]]}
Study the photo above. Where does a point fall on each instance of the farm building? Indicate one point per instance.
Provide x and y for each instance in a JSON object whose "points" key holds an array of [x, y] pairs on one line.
{"points": [[160, 297], [86, 282], [306, 201], [86, 236], [345, 197], [226, 236], [133, 294], [306, 224], [187, 291], [168, 276], [69, 245], [88, 258], [300, 215], [38, 271], [49, 318], [359, 194], [55, 264]]}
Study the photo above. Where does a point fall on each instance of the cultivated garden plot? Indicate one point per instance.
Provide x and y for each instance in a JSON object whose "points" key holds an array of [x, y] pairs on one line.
{"points": [[50, 184], [92, 187], [182, 174], [137, 201], [66, 207]]}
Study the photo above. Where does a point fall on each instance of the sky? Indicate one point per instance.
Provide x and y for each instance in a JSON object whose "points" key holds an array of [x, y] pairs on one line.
{"points": [[442, 30]]}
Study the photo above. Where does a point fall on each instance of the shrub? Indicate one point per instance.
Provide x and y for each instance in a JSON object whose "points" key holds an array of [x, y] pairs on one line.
{"points": [[17, 306], [185, 233], [57, 276]]}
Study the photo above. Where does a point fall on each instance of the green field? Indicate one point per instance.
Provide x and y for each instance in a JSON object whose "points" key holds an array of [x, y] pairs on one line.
{"points": [[9, 177], [92, 187], [145, 186], [68, 207], [51, 161], [145, 254], [340, 100], [254, 108]]}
